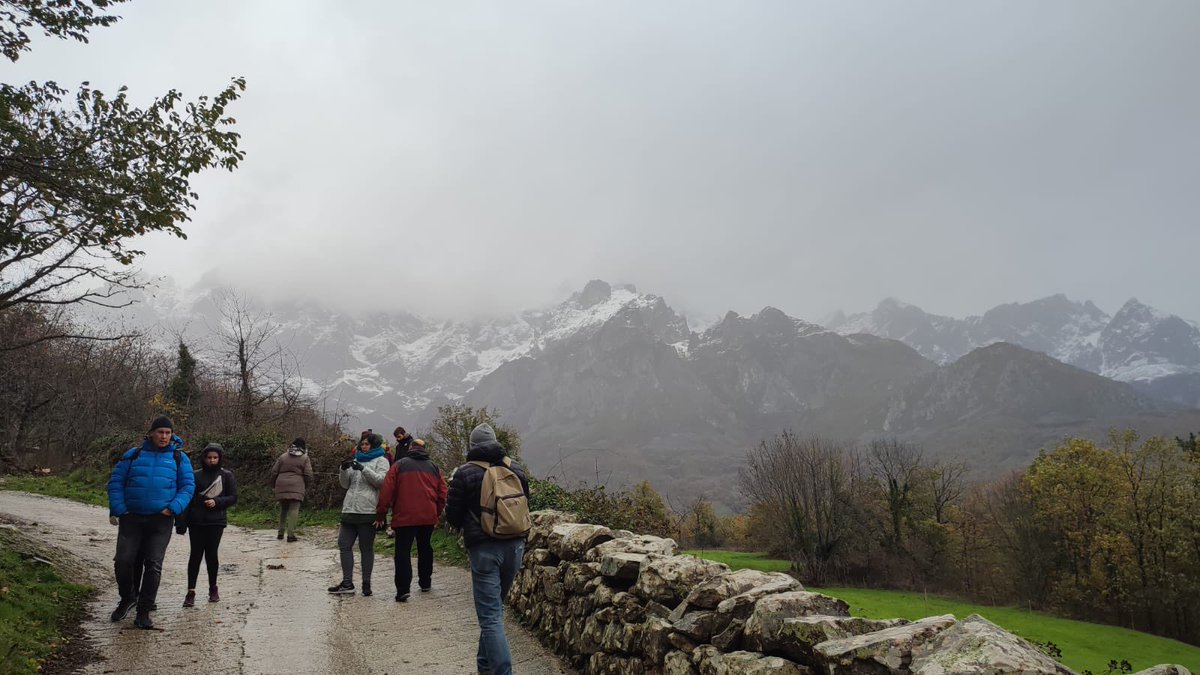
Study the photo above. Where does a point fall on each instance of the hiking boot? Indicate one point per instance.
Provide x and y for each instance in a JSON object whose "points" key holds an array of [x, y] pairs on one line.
{"points": [[425, 589], [402, 597], [143, 620], [189, 600], [366, 591], [213, 595], [292, 538], [342, 588], [279, 536], [122, 610]]}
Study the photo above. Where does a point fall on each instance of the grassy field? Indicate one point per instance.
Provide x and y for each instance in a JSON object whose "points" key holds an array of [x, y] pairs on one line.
{"points": [[1085, 646], [741, 560], [34, 603]]}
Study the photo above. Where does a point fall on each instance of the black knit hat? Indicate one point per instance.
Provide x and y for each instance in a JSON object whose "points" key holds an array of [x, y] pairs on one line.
{"points": [[375, 440], [162, 422], [299, 443]]}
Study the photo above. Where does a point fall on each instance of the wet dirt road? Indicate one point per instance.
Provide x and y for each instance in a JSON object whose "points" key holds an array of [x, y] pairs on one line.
{"points": [[274, 615]]}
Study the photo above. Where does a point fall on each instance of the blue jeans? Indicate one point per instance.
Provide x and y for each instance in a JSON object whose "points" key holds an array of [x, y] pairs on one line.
{"points": [[494, 565]]}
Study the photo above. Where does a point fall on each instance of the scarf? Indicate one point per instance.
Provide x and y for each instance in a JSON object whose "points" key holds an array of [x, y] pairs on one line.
{"points": [[364, 457], [295, 451]]}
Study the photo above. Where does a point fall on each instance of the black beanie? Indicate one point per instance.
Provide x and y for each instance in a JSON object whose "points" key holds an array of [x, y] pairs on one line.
{"points": [[161, 422], [299, 443], [375, 440]]}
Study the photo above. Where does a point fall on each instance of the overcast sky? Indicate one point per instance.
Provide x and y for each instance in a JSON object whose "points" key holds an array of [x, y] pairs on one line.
{"points": [[455, 157]]}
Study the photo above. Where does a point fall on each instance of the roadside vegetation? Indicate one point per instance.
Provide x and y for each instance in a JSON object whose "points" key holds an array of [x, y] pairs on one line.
{"points": [[37, 605]]}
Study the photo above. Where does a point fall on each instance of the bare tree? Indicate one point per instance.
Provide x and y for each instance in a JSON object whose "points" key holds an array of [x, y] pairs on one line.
{"points": [[948, 483], [806, 485], [261, 368], [896, 465]]}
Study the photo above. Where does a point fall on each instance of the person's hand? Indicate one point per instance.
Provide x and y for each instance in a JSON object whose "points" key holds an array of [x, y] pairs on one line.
{"points": [[210, 503], [356, 466], [113, 520], [167, 512], [380, 521]]}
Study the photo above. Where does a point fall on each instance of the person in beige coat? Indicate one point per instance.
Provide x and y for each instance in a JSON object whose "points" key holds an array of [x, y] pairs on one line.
{"points": [[290, 477]]}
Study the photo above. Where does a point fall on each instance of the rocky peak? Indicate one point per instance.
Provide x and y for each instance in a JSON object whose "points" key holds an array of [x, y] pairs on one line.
{"points": [[594, 293]]}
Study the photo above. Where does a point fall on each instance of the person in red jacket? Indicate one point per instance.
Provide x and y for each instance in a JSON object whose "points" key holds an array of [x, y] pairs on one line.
{"points": [[416, 494]]}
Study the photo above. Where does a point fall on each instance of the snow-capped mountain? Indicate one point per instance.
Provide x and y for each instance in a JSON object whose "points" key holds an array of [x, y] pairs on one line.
{"points": [[392, 366], [1158, 353], [612, 385]]}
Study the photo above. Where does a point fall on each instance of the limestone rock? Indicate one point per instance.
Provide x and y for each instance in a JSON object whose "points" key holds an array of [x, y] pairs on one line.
{"points": [[1165, 669], [765, 624], [730, 639], [622, 638], [622, 565], [569, 541], [670, 579], [629, 608], [541, 523], [678, 663], [704, 653], [638, 543], [977, 645], [539, 556], [603, 596], [890, 648], [750, 663], [609, 664], [701, 625], [655, 643], [711, 592], [799, 636], [578, 574], [740, 606]]}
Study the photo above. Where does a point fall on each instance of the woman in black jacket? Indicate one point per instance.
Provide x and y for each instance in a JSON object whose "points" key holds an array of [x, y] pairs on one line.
{"points": [[216, 490]]}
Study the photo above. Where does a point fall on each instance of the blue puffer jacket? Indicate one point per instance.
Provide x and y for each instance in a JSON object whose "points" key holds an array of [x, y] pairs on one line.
{"points": [[152, 482]]}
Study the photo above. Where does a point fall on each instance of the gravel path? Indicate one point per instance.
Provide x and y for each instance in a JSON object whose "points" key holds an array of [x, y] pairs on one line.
{"points": [[274, 615]]}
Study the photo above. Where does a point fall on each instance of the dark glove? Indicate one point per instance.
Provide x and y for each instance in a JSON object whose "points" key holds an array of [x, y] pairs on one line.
{"points": [[356, 466], [346, 464]]}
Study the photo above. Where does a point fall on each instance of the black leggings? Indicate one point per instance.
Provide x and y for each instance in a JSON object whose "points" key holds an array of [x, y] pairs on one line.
{"points": [[205, 540]]}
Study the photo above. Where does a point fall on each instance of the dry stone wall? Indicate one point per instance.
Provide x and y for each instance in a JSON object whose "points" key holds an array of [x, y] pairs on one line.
{"points": [[617, 602]]}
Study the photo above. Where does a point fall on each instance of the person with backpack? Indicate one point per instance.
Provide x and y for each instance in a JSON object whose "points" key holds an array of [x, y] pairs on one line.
{"points": [[205, 519], [416, 494], [149, 486], [489, 502], [361, 476], [290, 477]]}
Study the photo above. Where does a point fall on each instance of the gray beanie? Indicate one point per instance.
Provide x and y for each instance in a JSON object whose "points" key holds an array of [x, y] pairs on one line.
{"points": [[483, 435]]}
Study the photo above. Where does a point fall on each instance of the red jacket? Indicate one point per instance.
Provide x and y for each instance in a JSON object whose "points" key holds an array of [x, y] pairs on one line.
{"points": [[413, 490]]}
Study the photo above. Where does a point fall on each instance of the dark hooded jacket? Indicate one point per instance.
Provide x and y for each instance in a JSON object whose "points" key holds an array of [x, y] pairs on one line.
{"points": [[462, 505], [198, 514]]}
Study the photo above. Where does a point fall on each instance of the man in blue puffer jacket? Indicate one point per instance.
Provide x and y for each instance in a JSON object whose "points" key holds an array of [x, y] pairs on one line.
{"points": [[149, 485]]}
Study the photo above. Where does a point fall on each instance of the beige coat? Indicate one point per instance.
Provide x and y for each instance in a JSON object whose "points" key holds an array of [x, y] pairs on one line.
{"points": [[291, 475]]}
